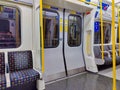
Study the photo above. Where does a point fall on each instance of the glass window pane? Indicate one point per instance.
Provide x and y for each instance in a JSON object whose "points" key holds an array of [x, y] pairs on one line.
{"points": [[74, 30], [118, 34], [106, 32], [10, 35], [51, 29]]}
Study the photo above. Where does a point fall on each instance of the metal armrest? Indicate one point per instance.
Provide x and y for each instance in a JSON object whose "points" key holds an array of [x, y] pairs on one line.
{"points": [[7, 68], [117, 49], [112, 51], [106, 53]]}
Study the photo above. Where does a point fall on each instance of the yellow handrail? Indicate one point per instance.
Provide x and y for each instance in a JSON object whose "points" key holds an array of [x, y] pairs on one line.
{"points": [[119, 28], [42, 37], [101, 20], [88, 2], [113, 46]]}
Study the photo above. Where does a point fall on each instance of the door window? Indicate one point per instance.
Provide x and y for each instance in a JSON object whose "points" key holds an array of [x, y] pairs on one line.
{"points": [[51, 28], [74, 30]]}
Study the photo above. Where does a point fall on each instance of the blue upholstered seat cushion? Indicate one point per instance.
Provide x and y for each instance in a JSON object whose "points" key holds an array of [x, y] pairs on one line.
{"points": [[23, 76], [20, 60], [2, 82], [2, 63]]}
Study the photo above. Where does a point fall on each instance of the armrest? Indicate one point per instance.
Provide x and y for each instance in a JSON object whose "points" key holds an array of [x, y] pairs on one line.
{"points": [[7, 68], [117, 49], [108, 53], [115, 52]]}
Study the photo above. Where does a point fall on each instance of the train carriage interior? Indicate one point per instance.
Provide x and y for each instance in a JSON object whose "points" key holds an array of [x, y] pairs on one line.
{"points": [[59, 44]]}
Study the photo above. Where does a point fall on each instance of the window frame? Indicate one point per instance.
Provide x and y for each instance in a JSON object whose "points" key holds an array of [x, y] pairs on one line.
{"points": [[54, 11], [108, 22], [80, 29], [19, 24]]}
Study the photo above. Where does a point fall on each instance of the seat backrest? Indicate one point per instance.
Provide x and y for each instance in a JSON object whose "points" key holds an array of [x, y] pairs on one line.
{"points": [[20, 60], [110, 47], [2, 63], [97, 52], [106, 48]]}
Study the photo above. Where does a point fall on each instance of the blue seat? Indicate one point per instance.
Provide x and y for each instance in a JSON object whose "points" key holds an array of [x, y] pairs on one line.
{"points": [[23, 76], [2, 72], [2, 82], [98, 54], [21, 68], [117, 52]]}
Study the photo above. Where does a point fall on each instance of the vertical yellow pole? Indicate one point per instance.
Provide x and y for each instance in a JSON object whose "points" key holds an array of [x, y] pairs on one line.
{"points": [[113, 46], [42, 37], [119, 27], [101, 20]]}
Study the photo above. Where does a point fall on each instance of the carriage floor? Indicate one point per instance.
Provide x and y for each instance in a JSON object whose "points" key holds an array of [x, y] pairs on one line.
{"points": [[108, 72], [85, 81]]}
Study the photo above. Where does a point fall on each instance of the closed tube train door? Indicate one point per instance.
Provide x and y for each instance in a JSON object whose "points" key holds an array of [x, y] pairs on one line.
{"points": [[73, 42], [54, 63]]}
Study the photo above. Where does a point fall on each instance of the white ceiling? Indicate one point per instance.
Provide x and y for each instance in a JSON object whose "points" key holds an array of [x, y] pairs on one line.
{"points": [[27, 1], [115, 1], [31, 1], [74, 5]]}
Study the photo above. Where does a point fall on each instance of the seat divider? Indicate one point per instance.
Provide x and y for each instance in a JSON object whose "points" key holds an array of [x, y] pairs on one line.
{"points": [[7, 75], [40, 82]]}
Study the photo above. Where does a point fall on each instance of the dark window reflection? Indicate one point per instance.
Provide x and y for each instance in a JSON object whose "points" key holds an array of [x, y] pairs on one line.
{"points": [[118, 34], [9, 28], [74, 30], [51, 28], [106, 32]]}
